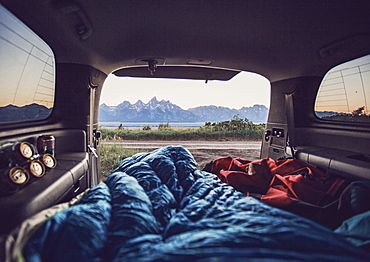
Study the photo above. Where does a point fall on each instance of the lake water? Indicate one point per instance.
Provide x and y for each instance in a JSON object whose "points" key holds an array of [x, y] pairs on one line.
{"points": [[153, 125]]}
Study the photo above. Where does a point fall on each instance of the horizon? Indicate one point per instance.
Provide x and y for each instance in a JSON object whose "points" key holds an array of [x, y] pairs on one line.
{"points": [[154, 97], [159, 101]]}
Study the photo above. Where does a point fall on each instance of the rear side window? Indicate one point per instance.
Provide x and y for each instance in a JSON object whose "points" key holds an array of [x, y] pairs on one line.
{"points": [[27, 74], [344, 94]]}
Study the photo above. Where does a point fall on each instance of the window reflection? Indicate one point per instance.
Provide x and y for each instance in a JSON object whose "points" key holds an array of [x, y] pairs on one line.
{"points": [[26, 72], [344, 93]]}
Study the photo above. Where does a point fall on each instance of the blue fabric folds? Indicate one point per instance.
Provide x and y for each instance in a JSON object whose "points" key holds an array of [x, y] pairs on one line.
{"points": [[158, 207], [77, 232]]}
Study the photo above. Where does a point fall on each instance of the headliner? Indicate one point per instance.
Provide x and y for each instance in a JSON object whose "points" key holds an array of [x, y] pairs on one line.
{"points": [[278, 39]]}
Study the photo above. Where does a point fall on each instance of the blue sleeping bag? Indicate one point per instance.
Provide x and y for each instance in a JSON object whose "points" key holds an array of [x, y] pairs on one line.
{"points": [[158, 207]]}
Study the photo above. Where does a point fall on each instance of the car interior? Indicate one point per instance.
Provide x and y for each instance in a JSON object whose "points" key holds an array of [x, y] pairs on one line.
{"points": [[56, 54]]}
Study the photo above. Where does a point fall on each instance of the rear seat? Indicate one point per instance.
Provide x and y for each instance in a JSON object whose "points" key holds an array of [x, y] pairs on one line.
{"points": [[342, 163]]}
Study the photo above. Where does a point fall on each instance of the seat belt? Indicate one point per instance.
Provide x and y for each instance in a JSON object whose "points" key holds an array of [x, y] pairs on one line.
{"points": [[289, 112]]}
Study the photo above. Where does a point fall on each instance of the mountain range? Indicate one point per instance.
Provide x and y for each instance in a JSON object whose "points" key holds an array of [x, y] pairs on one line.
{"points": [[153, 111], [34, 111], [165, 111]]}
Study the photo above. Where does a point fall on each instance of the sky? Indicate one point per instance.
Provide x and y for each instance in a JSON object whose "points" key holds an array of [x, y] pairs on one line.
{"points": [[243, 90]]}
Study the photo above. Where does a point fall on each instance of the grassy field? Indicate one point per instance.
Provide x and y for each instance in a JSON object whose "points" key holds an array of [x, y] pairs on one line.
{"points": [[234, 129], [188, 134], [111, 156]]}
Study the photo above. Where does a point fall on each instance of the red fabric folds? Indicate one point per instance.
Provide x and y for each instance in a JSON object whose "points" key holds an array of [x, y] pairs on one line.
{"points": [[288, 184]]}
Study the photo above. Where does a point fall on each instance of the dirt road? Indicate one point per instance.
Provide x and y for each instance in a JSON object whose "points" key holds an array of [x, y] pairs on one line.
{"points": [[203, 151]]}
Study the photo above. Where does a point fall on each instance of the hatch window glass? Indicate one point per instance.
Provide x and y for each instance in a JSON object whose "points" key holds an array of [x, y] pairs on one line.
{"points": [[344, 94], [27, 72], [136, 103]]}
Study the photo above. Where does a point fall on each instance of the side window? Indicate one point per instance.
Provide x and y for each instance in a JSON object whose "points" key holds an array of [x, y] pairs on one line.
{"points": [[26, 72], [344, 94]]}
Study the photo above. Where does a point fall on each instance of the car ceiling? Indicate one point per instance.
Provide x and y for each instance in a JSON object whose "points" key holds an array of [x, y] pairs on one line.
{"points": [[278, 39]]}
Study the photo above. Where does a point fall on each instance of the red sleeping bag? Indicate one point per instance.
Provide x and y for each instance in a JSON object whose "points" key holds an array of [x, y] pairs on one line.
{"points": [[289, 184]]}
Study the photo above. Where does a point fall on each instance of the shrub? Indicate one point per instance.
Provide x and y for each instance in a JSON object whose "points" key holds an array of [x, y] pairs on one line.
{"points": [[147, 128], [164, 126]]}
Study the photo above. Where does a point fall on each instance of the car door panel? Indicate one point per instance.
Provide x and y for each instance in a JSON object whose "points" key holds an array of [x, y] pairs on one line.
{"points": [[61, 183], [337, 148]]}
